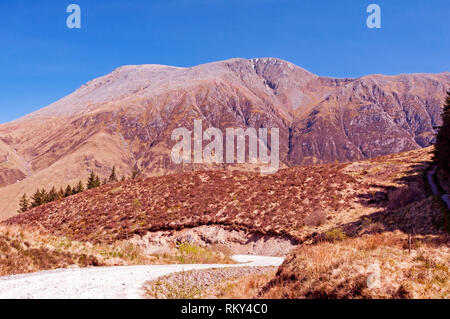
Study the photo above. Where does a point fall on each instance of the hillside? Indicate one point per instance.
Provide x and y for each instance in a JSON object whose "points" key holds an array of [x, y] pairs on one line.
{"points": [[126, 119], [299, 202], [343, 268]]}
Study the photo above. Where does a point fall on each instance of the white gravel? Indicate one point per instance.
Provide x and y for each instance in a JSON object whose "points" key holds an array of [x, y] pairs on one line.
{"points": [[104, 282]]}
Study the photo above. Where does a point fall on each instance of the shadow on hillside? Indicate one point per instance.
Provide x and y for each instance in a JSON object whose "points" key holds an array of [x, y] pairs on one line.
{"points": [[410, 208]]}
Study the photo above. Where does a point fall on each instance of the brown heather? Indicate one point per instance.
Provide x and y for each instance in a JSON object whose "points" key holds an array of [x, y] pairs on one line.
{"points": [[279, 204], [290, 202], [272, 204]]}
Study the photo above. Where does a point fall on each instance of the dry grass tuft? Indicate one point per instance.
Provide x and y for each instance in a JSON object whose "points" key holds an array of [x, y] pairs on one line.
{"points": [[246, 287]]}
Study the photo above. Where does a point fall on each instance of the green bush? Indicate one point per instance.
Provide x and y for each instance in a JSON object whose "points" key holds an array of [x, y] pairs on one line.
{"points": [[334, 235]]}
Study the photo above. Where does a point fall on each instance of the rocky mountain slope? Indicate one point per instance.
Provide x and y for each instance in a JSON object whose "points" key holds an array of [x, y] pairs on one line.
{"points": [[126, 118]]}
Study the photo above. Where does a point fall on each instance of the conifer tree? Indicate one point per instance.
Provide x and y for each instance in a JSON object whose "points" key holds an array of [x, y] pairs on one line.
{"points": [[80, 187], [97, 182], [44, 196], [24, 204], [68, 191], [442, 147], [60, 193], [37, 199], [52, 195], [113, 177], [91, 180]]}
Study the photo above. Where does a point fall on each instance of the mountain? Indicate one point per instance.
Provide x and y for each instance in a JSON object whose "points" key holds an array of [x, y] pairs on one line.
{"points": [[126, 119]]}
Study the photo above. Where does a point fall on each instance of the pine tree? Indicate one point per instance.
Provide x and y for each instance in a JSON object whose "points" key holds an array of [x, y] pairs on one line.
{"points": [[113, 177], [37, 199], [91, 181], [24, 204], [80, 187], [442, 147], [44, 196], [52, 195], [60, 193], [123, 178], [68, 191], [97, 182]]}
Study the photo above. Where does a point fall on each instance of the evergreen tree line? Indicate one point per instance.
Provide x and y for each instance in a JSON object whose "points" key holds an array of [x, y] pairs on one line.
{"points": [[442, 146], [42, 196]]}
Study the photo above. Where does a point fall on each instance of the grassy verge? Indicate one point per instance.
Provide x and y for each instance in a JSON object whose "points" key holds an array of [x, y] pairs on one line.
{"points": [[29, 250]]}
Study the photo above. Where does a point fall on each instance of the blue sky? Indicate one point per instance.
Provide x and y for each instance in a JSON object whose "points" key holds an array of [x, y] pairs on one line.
{"points": [[41, 60]]}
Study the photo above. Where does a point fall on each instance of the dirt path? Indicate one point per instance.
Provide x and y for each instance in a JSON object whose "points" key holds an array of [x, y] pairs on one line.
{"points": [[104, 282]]}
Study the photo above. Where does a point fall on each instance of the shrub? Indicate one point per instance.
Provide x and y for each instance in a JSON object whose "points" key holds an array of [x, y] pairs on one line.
{"points": [[116, 191], [334, 235], [182, 289], [190, 254], [316, 218]]}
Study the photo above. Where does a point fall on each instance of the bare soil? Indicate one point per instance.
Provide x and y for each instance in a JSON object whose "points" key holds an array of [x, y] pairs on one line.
{"points": [[218, 238]]}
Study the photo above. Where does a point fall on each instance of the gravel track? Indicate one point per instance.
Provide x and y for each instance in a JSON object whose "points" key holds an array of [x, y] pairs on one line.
{"points": [[121, 282]]}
